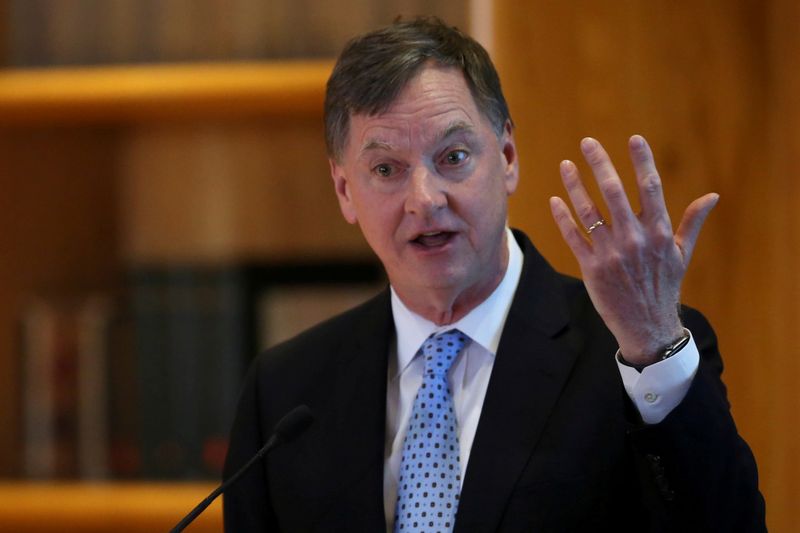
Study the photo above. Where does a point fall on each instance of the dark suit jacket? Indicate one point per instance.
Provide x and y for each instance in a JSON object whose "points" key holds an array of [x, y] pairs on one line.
{"points": [[559, 445]]}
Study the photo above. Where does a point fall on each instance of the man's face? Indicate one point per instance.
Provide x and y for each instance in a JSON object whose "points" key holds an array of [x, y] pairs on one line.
{"points": [[428, 183]]}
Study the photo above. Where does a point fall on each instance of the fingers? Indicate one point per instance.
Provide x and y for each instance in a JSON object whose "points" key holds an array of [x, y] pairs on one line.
{"points": [[693, 219], [655, 221], [584, 207], [651, 193], [608, 182], [570, 231]]}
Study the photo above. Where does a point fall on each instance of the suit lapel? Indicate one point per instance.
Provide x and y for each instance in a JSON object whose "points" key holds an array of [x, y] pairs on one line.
{"points": [[533, 361], [359, 412]]}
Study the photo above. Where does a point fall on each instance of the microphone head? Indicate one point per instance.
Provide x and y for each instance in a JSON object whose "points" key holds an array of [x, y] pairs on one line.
{"points": [[293, 423]]}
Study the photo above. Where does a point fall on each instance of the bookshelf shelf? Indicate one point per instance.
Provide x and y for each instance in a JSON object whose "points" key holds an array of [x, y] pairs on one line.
{"points": [[165, 91], [99, 507]]}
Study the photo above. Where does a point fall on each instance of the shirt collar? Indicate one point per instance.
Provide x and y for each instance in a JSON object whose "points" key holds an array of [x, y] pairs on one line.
{"points": [[484, 324]]}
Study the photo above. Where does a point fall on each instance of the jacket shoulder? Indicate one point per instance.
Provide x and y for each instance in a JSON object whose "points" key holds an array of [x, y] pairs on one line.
{"points": [[315, 346]]}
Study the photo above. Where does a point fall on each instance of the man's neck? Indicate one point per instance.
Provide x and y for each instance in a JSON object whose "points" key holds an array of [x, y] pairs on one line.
{"points": [[447, 305], [484, 323], [443, 307]]}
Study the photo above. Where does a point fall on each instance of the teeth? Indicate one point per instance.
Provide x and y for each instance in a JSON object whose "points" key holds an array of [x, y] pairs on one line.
{"points": [[431, 233]]}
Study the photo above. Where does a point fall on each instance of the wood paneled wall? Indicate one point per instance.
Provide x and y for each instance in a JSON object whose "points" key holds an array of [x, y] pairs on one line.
{"points": [[227, 191], [715, 87]]}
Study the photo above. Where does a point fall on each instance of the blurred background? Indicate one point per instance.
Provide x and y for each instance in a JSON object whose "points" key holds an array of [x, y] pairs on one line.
{"points": [[166, 212]]}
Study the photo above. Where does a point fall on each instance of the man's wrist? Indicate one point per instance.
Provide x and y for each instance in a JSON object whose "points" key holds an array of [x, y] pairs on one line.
{"points": [[665, 352]]}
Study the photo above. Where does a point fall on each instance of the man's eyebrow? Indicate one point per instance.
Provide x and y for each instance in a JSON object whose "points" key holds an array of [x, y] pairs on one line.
{"points": [[454, 128], [374, 144]]}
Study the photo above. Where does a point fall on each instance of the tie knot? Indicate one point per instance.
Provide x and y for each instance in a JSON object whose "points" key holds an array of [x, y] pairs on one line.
{"points": [[440, 351]]}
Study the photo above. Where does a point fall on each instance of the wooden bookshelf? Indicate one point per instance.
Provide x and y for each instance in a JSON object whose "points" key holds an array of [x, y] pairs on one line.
{"points": [[94, 159], [102, 507], [67, 96], [77, 151]]}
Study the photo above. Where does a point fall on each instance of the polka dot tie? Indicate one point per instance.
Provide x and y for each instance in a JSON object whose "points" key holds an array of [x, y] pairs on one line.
{"points": [[430, 476]]}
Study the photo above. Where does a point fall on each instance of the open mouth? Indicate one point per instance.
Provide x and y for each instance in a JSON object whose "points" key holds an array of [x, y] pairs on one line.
{"points": [[433, 239]]}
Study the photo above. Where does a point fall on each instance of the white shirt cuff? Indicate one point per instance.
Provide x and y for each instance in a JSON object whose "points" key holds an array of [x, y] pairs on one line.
{"points": [[660, 387]]}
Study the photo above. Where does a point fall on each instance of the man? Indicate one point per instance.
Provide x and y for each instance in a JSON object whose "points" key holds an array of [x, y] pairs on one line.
{"points": [[481, 391]]}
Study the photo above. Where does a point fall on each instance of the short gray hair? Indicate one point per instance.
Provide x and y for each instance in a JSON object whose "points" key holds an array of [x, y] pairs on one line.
{"points": [[374, 68]]}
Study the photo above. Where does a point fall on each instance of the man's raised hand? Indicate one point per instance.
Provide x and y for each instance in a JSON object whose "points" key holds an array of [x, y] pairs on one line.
{"points": [[632, 265]]}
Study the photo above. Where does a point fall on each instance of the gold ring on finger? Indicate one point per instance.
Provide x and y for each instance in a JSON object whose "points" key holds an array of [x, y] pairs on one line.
{"points": [[594, 226]]}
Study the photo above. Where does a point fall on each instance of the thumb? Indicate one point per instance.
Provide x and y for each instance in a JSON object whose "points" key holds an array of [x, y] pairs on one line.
{"points": [[691, 223]]}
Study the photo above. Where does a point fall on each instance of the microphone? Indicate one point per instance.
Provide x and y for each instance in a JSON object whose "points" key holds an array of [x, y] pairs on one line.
{"points": [[290, 426]]}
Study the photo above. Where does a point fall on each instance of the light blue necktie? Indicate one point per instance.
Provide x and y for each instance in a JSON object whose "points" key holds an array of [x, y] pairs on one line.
{"points": [[430, 475]]}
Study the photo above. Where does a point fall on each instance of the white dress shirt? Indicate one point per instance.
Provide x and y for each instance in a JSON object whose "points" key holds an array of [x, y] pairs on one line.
{"points": [[655, 391]]}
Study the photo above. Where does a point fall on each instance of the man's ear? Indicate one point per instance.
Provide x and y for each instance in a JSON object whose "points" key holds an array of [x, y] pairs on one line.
{"points": [[508, 148], [342, 187]]}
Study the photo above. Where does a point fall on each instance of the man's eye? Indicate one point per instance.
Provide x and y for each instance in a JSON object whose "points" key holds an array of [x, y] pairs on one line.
{"points": [[455, 157], [383, 170]]}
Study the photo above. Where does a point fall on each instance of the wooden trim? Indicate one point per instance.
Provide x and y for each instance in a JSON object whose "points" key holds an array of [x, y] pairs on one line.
{"points": [[170, 91], [100, 507]]}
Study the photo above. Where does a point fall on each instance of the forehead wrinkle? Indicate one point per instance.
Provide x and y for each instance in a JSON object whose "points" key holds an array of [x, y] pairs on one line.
{"points": [[373, 144], [379, 140], [454, 128], [413, 113]]}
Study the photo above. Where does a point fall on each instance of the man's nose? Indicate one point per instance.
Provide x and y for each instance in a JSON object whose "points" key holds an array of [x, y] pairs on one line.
{"points": [[426, 192]]}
